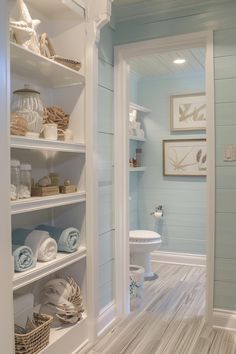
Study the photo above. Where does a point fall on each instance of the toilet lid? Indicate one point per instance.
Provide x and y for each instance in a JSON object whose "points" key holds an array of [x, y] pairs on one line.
{"points": [[144, 235]]}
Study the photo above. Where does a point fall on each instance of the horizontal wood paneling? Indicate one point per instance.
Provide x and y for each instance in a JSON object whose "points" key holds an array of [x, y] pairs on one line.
{"points": [[106, 247], [225, 90], [226, 177], [105, 110], [106, 44], [225, 67], [225, 42], [225, 244], [225, 270], [224, 295], [226, 200], [105, 74], [225, 114]]}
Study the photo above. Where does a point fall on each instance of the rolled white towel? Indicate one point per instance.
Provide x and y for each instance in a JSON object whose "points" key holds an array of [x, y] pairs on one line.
{"points": [[43, 246]]}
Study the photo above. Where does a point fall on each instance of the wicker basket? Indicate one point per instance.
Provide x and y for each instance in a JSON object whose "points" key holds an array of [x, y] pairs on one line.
{"points": [[34, 341]]}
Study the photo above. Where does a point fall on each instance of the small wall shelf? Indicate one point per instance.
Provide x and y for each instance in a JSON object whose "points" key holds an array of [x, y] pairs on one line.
{"points": [[137, 169], [139, 108], [20, 142], [45, 71], [39, 203], [134, 137], [43, 269]]}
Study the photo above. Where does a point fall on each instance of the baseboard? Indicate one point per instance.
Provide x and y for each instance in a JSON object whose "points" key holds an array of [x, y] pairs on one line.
{"points": [[179, 258], [106, 317], [224, 319]]}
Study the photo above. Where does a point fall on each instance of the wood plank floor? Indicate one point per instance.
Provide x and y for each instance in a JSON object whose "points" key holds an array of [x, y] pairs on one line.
{"points": [[171, 319]]}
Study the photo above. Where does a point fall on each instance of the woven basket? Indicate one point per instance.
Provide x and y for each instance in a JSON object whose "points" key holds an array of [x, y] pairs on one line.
{"points": [[34, 341]]}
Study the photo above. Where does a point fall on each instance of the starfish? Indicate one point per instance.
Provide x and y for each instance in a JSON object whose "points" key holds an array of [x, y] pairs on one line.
{"points": [[24, 28]]}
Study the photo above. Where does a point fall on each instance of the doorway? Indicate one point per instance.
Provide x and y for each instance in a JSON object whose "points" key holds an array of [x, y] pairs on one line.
{"points": [[123, 56]]}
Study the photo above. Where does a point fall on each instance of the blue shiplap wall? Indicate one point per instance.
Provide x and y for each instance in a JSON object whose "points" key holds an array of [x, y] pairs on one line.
{"points": [[183, 227], [105, 160], [222, 21]]}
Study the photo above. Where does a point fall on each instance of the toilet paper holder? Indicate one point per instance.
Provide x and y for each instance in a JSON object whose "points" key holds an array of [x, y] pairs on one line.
{"points": [[159, 209]]}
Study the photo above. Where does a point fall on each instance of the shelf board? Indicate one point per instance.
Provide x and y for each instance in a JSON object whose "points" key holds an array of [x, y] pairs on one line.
{"points": [[21, 142], [39, 203], [137, 169], [57, 8], [26, 63], [43, 269], [134, 137], [67, 338], [139, 108]]}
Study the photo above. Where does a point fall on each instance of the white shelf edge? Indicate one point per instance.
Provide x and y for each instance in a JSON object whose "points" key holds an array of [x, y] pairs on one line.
{"points": [[77, 6], [39, 203], [28, 56], [77, 331], [137, 169], [43, 269], [21, 142], [139, 108], [134, 137]]}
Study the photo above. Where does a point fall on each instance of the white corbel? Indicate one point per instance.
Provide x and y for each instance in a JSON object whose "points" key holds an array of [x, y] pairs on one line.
{"points": [[98, 13]]}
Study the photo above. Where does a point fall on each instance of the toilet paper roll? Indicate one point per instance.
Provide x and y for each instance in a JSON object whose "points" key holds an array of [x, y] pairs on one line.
{"points": [[158, 214]]}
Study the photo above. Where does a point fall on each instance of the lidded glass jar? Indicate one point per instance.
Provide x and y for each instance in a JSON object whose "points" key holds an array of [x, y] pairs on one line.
{"points": [[27, 104], [25, 181], [15, 179]]}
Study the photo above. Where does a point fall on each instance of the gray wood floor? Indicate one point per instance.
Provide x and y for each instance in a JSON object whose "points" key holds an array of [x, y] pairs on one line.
{"points": [[170, 321]]}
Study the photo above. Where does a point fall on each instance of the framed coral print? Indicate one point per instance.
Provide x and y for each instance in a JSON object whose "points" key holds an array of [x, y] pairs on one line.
{"points": [[185, 157], [188, 112]]}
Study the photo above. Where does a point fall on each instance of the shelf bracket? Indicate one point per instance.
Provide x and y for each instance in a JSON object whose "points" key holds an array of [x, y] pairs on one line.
{"points": [[99, 14]]}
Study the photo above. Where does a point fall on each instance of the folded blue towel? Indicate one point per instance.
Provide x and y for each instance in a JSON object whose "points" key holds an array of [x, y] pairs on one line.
{"points": [[23, 258], [68, 239]]}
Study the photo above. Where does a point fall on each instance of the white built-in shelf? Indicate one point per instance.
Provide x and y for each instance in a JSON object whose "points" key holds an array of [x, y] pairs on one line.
{"points": [[139, 108], [45, 71], [21, 142], [134, 137], [59, 337], [58, 9], [137, 169], [39, 203], [43, 269]]}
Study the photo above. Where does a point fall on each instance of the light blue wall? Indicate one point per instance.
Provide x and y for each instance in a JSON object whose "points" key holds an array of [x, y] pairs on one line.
{"points": [[183, 227], [222, 21], [105, 163]]}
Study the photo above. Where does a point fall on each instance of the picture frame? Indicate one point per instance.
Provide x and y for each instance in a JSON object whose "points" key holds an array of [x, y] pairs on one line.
{"points": [[188, 112], [185, 157]]}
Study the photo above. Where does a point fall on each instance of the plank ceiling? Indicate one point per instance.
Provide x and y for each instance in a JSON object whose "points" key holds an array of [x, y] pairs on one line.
{"points": [[129, 9], [162, 64]]}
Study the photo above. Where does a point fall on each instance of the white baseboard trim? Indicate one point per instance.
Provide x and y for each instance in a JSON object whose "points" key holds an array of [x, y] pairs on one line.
{"points": [[106, 317], [224, 319], [179, 258]]}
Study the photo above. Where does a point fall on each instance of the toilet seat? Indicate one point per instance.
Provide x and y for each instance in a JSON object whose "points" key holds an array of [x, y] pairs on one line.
{"points": [[144, 236]]}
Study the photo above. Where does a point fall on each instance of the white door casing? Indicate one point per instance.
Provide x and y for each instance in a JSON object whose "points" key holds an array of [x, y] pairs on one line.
{"points": [[121, 108]]}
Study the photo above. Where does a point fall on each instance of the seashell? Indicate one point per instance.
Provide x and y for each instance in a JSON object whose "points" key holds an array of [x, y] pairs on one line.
{"points": [[67, 182], [44, 181]]}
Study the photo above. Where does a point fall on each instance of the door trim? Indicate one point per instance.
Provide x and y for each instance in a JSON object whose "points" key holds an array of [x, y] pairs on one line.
{"points": [[121, 180]]}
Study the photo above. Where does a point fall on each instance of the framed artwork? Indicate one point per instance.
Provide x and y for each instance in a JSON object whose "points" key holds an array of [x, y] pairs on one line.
{"points": [[185, 157], [188, 112]]}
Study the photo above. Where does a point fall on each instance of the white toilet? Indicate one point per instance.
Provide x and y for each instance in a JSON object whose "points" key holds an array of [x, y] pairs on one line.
{"points": [[142, 243]]}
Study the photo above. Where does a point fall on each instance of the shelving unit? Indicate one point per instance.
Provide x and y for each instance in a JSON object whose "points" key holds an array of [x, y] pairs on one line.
{"points": [[137, 169], [139, 108], [61, 86], [45, 268], [133, 137], [21, 142], [39, 203], [45, 71]]}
